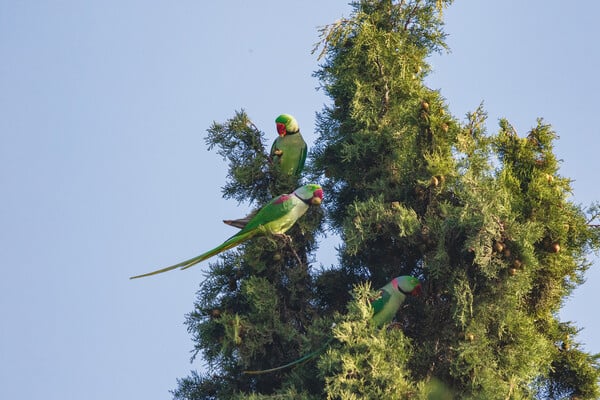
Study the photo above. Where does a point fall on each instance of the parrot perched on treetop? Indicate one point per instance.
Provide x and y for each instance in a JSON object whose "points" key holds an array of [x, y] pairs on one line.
{"points": [[385, 306], [275, 218], [288, 152]]}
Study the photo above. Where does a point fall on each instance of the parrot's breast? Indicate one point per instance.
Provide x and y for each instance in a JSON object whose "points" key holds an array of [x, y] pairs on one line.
{"points": [[281, 225], [290, 153], [389, 309]]}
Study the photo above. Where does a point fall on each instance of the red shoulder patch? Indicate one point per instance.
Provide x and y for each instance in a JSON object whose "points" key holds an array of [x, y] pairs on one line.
{"points": [[282, 198]]}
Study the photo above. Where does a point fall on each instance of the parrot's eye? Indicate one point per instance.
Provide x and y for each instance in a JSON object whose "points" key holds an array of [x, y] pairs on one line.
{"points": [[281, 129]]}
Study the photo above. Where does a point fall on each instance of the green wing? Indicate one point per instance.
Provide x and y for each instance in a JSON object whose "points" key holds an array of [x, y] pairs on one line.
{"points": [[302, 160], [380, 301], [274, 210]]}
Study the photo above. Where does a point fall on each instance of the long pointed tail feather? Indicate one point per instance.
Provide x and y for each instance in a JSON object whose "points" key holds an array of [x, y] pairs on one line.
{"points": [[300, 360], [228, 244], [186, 263]]}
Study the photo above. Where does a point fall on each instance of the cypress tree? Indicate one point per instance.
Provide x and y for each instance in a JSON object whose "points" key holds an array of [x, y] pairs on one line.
{"points": [[483, 220]]}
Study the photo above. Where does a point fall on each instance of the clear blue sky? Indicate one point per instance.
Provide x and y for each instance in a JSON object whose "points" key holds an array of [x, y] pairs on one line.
{"points": [[105, 174]]}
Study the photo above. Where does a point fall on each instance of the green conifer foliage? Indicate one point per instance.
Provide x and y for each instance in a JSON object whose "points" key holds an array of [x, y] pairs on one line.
{"points": [[484, 220], [252, 309], [367, 362]]}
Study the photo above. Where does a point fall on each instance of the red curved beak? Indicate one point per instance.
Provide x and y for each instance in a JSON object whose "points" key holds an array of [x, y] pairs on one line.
{"points": [[417, 290], [317, 197], [281, 129]]}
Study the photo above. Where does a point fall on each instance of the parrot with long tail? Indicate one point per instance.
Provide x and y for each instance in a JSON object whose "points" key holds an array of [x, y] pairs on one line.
{"points": [[288, 152], [275, 218], [385, 306]]}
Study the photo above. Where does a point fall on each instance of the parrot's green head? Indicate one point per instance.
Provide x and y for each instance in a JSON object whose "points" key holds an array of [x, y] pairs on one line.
{"points": [[286, 124], [407, 285], [310, 194]]}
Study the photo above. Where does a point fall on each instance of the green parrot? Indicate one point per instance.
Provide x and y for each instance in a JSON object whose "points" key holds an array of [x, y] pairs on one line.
{"points": [[275, 218], [385, 306], [391, 296], [288, 152]]}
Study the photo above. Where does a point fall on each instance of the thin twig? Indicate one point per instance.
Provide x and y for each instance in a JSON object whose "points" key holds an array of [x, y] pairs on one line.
{"points": [[288, 239]]}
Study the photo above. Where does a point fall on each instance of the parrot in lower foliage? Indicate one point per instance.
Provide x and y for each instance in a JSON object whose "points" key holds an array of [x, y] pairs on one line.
{"points": [[288, 151], [385, 306], [391, 296], [275, 218]]}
